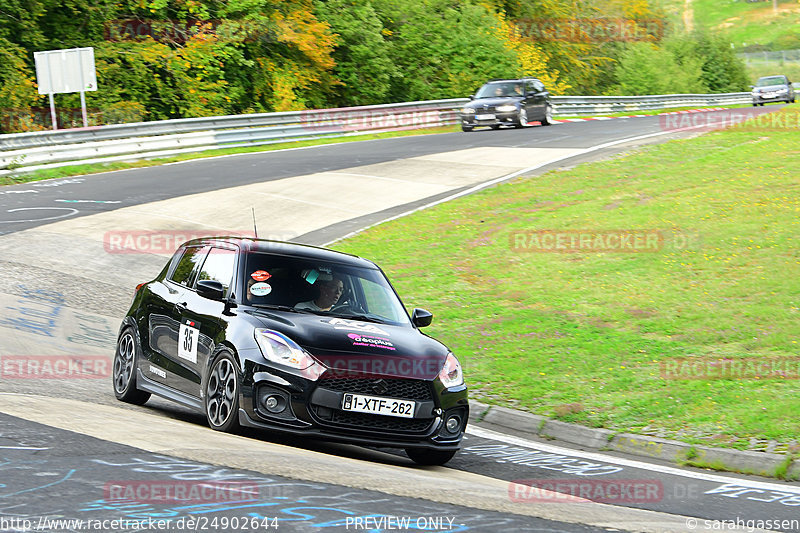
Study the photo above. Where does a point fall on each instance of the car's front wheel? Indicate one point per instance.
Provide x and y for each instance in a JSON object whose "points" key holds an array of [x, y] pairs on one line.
{"points": [[548, 115], [429, 457], [466, 128], [522, 118], [222, 394], [124, 373]]}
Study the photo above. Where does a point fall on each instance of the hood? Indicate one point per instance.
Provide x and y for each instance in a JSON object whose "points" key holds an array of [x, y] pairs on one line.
{"points": [[360, 347], [494, 102], [771, 88]]}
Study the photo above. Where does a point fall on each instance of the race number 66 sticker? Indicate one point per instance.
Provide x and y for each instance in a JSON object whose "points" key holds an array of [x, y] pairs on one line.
{"points": [[187, 341]]}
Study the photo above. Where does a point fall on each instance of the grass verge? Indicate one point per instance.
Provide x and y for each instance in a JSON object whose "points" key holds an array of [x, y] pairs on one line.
{"points": [[586, 337]]}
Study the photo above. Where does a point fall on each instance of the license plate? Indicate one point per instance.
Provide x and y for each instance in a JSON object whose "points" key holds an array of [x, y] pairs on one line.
{"points": [[378, 406], [484, 117]]}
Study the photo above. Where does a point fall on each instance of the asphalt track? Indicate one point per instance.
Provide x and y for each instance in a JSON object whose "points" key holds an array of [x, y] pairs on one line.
{"points": [[64, 288]]}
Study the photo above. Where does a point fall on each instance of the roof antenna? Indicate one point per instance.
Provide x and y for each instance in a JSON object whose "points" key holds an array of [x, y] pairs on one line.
{"points": [[255, 230]]}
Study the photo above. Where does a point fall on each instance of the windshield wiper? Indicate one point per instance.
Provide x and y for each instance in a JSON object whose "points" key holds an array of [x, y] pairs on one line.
{"points": [[280, 308], [363, 318]]}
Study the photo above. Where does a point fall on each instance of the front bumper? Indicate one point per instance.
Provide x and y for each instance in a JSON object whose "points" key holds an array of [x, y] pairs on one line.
{"points": [[313, 409], [771, 97], [489, 119]]}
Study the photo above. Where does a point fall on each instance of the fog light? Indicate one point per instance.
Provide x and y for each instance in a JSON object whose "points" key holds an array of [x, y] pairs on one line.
{"points": [[453, 424], [274, 404]]}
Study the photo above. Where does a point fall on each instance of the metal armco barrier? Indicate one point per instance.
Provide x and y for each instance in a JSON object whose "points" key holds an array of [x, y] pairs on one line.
{"points": [[25, 152]]}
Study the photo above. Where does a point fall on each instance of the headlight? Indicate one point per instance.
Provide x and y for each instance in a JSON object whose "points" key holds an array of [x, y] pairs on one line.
{"points": [[783, 90], [468, 111], [450, 374], [282, 350], [506, 108]]}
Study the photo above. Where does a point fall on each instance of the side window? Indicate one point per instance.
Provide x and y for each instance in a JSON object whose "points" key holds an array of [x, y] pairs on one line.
{"points": [[538, 85], [219, 266], [378, 300], [183, 273], [529, 87]]}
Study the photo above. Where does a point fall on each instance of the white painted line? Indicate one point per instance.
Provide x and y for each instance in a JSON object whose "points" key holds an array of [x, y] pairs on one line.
{"points": [[74, 211], [714, 478], [507, 177], [21, 448]]}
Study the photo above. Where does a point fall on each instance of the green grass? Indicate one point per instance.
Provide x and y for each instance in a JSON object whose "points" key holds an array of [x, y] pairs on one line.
{"points": [[77, 170], [580, 336], [749, 23]]}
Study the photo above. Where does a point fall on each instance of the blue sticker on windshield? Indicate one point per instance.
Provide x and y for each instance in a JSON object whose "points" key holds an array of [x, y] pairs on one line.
{"points": [[312, 276]]}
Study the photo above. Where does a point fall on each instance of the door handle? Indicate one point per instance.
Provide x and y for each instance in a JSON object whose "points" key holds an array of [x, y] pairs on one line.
{"points": [[181, 307]]}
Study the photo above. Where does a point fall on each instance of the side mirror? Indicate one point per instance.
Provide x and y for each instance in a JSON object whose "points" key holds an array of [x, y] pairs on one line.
{"points": [[213, 290], [472, 97], [752, 86], [421, 318]]}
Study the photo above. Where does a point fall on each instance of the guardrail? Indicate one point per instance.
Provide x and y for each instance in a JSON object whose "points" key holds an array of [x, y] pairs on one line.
{"points": [[26, 152]]}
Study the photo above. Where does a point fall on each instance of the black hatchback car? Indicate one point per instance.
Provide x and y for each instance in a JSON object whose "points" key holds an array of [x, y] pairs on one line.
{"points": [[508, 103], [293, 338]]}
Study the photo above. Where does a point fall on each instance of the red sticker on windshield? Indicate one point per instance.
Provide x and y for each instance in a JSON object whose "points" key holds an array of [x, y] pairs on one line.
{"points": [[261, 275]]}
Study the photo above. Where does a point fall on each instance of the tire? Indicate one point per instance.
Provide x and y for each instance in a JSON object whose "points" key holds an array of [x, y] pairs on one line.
{"points": [[548, 115], [522, 118], [495, 127], [467, 128], [124, 370], [429, 457], [755, 105], [222, 394]]}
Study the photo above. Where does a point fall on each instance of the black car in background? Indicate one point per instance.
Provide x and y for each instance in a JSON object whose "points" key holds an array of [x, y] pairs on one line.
{"points": [[508, 103], [772, 89], [236, 328]]}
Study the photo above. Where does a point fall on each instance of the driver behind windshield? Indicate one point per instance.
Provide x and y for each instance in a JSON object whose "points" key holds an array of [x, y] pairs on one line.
{"points": [[329, 293]]}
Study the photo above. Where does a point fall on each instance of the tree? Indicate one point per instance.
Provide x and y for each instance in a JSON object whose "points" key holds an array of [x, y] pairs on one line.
{"points": [[364, 67], [645, 68]]}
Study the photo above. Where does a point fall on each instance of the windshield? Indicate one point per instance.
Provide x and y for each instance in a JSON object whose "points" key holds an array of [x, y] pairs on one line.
{"points": [[500, 89], [329, 289], [772, 80]]}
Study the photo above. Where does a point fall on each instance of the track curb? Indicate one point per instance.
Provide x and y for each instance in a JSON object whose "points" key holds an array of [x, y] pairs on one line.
{"points": [[723, 459]]}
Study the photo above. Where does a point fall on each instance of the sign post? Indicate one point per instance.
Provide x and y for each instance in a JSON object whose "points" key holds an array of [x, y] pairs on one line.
{"points": [[66, 71]]}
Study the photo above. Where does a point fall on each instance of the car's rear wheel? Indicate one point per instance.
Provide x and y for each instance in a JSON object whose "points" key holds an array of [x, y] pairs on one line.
{"points": [[466, 128], [429, 457], [522, 118], [124, 373], [495, 126], [548, 115], [222, 394]]}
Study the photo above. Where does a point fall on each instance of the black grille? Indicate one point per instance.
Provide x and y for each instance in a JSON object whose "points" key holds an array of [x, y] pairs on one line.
{"points": [[406, 389], [381, 422]]}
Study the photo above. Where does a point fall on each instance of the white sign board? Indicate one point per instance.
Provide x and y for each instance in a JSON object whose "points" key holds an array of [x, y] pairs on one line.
{"points": [[65, 71]]}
